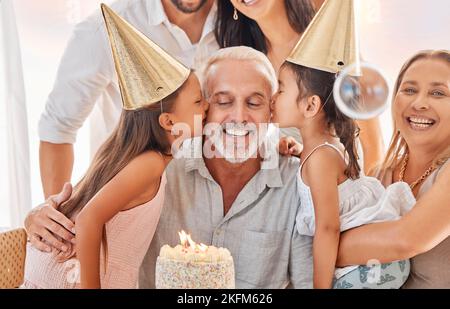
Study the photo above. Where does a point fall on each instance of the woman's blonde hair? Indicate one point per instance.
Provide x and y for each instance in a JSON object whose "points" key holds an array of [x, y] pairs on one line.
{"points": [[398, 147]]}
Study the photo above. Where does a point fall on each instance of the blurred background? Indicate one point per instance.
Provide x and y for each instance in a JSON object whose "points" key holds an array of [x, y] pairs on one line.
{"points": [[391, 32]]}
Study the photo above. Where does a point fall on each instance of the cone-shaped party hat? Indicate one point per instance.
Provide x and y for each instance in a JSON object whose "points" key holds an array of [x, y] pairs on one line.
{"points": [[331, 41], [147, 74]]}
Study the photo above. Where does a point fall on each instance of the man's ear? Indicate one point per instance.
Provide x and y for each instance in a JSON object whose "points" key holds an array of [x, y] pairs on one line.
{"points": [[313, 106], [165, 121]]}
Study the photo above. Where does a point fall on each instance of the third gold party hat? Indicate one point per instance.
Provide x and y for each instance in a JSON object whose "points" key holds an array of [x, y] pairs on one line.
{"points": [[147, 74], [331, 41]]}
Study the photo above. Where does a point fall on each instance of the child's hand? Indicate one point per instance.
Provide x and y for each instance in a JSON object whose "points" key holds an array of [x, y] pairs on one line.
{"points": [[288, 146]]}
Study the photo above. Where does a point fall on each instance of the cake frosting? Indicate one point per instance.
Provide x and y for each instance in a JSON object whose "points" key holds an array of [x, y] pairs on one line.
{"points": [[194, 266]]}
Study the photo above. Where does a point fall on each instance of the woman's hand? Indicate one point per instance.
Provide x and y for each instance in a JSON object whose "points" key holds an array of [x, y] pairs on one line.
{"points": [[47, 227], [288, 146]]}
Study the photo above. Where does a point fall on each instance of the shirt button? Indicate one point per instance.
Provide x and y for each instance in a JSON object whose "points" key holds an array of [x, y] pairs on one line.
{"points": [[218, 232]]}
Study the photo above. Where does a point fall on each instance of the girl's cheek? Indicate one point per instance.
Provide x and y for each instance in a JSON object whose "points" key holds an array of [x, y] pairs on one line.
{"points": [[290, 100]]}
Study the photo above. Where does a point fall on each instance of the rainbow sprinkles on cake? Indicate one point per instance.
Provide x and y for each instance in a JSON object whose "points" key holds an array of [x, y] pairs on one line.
{"points": [[194, 266]]}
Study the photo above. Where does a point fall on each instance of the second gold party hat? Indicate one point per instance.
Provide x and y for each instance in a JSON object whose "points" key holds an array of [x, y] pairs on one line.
{"points": [[147, 74], [331, 41]]}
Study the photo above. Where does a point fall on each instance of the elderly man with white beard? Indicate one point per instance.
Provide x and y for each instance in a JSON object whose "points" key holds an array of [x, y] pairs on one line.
{"points": [[229, 195], [224, 188]]}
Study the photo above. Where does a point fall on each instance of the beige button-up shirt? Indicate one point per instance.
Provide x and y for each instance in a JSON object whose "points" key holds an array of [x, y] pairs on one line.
{"points": [[259, 230]]}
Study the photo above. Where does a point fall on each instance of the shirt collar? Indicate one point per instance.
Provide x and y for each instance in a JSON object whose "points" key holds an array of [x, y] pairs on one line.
{"points": [[193, 148], [210, 21], [156, 13], [157, 16], [270, 173], [270, 177]]}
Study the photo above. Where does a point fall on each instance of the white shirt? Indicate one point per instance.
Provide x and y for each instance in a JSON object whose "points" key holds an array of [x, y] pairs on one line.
{"points": [[86, 76]]}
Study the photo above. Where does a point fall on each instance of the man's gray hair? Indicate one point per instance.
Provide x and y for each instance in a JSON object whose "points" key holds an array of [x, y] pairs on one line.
{"points": [[241, 53]]}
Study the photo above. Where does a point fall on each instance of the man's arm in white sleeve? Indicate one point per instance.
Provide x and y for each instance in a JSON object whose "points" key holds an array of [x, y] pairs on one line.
{"points": [[85, 71]]}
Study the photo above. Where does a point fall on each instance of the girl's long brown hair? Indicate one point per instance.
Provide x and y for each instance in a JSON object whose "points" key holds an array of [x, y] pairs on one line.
{"points": [[320, 83], [398, 147], [138, 131]]}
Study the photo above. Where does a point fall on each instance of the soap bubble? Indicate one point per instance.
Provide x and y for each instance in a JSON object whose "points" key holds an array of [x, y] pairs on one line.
{"points": [[361, 91]]}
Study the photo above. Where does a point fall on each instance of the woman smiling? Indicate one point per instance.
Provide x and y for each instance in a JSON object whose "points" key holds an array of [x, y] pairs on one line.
{"points": [[418, 155]]}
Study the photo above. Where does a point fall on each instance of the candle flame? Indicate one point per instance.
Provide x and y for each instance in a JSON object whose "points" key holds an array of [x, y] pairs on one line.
{"points": [[183, 238], [186, 241], [203, 248], [192, 243]]}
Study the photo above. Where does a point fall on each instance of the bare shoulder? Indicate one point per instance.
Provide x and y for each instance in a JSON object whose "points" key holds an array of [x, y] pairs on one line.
{"points": [[150, 163], [325, 160], [139, 172], [138, 181]]}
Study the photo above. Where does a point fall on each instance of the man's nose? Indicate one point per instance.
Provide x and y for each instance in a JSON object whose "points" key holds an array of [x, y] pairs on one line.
{"points": [[240, 113]]}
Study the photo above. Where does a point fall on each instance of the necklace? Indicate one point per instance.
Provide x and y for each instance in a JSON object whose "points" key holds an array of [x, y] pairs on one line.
{"points": [[425, 175]]}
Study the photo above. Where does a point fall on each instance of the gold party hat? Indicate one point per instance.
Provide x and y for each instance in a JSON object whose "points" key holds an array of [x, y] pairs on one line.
{"points": [[147, 74], [331, 41]]}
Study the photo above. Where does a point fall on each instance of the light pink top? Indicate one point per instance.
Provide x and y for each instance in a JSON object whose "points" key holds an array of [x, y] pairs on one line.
{"points": [[128, 237]]}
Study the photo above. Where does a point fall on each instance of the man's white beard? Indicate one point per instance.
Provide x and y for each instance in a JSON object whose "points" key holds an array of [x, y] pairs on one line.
{"points": [[235, 150]]}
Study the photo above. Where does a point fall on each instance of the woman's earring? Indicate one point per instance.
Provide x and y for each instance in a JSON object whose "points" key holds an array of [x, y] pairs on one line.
{"points": [[235, 15]]}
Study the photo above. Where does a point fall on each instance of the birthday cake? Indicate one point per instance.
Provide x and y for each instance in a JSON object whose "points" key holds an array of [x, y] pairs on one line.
{"points": [[194, 266]]}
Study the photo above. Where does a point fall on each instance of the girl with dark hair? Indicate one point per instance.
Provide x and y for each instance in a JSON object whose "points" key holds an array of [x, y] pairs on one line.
{"points": [[274, 27], [117, 204], [335, 196]]}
